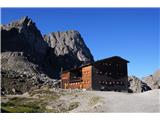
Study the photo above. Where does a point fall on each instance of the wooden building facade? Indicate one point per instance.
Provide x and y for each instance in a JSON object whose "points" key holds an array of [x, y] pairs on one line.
{"points": [[108, 74]]}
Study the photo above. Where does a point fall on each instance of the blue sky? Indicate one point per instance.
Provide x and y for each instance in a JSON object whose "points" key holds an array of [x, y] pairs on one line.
{"points": [[130, 33]]}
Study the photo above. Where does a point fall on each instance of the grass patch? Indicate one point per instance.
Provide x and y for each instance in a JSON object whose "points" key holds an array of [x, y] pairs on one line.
{"points": [[73, 105], [30, 105], [18, 109], [22, 105]]}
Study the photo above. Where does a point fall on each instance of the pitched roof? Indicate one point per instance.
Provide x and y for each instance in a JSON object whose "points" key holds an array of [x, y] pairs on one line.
{"points": [[110, 58], [98, 61]]}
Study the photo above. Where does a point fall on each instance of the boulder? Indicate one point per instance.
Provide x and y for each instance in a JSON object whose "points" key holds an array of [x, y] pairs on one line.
{"points": [[136, 85]]}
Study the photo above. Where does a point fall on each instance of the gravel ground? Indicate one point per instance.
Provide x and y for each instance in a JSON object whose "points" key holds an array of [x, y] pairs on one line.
{"points": [[118, 102]]}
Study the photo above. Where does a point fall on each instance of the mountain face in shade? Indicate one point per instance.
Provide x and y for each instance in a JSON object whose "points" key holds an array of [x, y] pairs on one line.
{"points": [[23, 36], [23, 57], [22, 46], [69, 48]]}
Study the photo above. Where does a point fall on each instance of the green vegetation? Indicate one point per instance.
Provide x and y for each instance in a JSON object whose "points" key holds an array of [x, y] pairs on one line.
{"points": [[37, 103], [73, 105], [21, 105], [19, 109], [25, 105]]}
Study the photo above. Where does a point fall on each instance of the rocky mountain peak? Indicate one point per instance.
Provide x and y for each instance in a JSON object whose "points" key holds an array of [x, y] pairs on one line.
{"points": [[25, 19], [22, 22], [69, 42]]}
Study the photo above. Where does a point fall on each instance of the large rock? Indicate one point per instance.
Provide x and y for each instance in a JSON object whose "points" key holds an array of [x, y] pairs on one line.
{"points": [[69, 49], [153, 81], [136, 85]]}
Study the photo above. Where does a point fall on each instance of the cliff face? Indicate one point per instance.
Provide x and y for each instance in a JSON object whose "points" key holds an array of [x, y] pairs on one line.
{"points": [[69, 49]]}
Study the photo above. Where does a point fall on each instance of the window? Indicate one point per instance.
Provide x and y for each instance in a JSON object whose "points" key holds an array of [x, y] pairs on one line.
{"points": [[75, 75], [117, 65], [121, 74]]}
